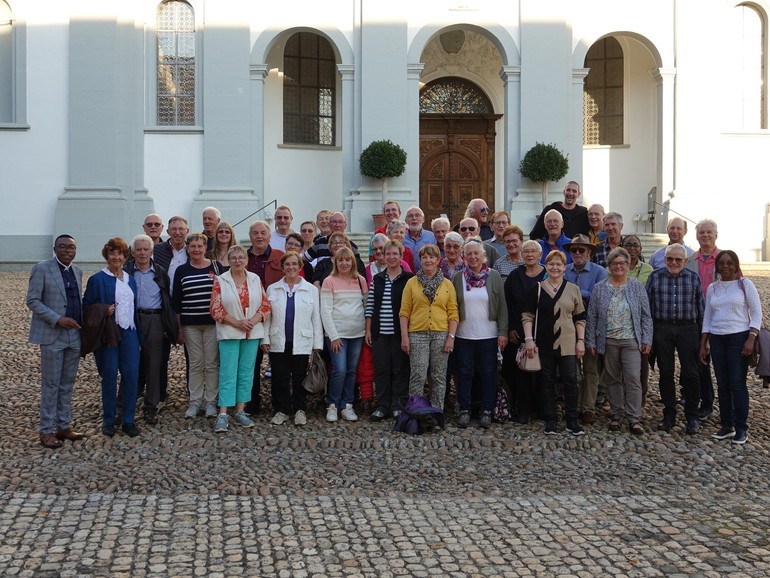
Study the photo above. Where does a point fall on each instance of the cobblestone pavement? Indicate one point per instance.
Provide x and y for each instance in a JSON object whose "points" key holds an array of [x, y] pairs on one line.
{"points": [[358, 499]]}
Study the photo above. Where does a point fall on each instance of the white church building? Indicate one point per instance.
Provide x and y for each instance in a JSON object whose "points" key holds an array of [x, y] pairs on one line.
{"points": [[113, 109]]}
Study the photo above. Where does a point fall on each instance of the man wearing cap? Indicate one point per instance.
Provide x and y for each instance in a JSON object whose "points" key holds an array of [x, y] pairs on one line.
{"points": [[585, 274]]}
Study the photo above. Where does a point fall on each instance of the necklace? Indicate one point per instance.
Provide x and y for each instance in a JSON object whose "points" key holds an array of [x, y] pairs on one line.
{"points": [[555, 289]]}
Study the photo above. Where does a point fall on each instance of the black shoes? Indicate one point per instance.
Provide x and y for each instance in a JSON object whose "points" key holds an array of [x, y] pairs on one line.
{"points": [[378, 415], [108, 430], [130, 429], [692, 427]]}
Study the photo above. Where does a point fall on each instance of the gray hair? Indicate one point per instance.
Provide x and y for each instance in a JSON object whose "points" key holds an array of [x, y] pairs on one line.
{"points": [[440, 221], [675, 246], [264, 223], [393, 225], [139, 239], [475, 241], [217, 212], [532, 244], [236, 249], [617, 252], [380, 238], [613, 215], [561, 218], [454, 237], [703, 222], [472, 205]]}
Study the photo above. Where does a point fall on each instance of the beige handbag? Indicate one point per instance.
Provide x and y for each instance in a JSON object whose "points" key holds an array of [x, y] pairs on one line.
{"points": [[524, 362]]}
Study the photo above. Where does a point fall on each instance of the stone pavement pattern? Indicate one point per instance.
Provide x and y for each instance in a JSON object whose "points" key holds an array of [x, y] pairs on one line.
{"points": [[361, 500]]}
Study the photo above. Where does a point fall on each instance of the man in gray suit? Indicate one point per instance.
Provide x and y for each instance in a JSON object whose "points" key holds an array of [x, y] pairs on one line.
{"points": [[55, 298]]}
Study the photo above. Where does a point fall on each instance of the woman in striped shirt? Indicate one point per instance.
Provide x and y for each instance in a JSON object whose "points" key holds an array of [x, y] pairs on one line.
{"points": [[193, 283]]}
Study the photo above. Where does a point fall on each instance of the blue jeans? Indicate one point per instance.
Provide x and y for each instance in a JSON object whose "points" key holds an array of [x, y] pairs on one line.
{"points": [[479, 356], [342, 382], [731, 368], [124, 357]]}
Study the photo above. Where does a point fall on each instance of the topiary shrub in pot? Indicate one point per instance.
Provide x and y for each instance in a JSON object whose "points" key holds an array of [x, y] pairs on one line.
{"points": [[544, 163]]}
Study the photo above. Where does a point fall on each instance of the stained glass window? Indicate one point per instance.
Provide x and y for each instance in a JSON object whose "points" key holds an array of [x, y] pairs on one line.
{"points": [[453, 96], [309, 90], [603, 94], [175, 80]]}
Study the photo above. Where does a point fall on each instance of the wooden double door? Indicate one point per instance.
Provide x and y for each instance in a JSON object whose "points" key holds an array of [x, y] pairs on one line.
{"points": [[457, 163]]}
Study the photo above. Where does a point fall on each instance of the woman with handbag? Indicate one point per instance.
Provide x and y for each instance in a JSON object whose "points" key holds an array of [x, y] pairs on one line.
{"points": [[554, 311], [517, 287], [295, 332], [342, 312], [731, 323], [428, 318], [481, 333], [383, 332], [619, 327], [241, 310]]}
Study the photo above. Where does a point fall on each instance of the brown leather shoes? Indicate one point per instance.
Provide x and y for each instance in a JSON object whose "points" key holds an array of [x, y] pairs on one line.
{"points": [[48, 440], [588, 417], [68, 434]]}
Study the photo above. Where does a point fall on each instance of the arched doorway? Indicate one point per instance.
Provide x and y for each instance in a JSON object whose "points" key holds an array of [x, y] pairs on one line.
{"points": [[457, 147]]}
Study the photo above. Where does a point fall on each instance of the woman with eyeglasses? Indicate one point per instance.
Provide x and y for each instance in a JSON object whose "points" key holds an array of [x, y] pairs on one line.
{"points": [[637, 269], [428, 318], [294, 243], [452, 261], [731, 322], [323, 268], [224, 238], [619, 327], [517, 286], [500, 221], [307, 231], [512, 239], [481, 333], [240, 308], [559, 335]]}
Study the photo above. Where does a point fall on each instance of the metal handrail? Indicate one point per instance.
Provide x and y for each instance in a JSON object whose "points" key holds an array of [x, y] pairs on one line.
{"points": [[274, 202], [669, 209]]}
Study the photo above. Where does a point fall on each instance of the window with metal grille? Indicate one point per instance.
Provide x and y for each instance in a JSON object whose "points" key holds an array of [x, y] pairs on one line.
{"points": [[309, 90], [603, 94], [453, 96], [175, 79]]}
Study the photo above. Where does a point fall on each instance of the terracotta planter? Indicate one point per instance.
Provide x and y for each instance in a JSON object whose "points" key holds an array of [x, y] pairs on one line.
{"points": [[379, 220]]}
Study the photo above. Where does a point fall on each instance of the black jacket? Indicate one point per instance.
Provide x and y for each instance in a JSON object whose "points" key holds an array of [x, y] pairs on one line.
{"points": [[397, 292]]}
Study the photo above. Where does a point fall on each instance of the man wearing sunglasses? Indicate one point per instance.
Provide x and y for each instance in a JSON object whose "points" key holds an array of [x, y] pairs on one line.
{"points": [[575, 217], [585, 274], [477, 209], [676, 305], [469, 228], [153, 227]]}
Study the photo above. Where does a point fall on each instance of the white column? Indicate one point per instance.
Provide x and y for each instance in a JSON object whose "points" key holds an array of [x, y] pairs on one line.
{"points": [[413, 75], [665, 178], [346, 137], [511, 76]]}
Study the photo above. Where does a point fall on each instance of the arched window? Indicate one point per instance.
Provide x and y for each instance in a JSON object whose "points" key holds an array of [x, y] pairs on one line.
{"points": [[453, 96], [175, 77], [603, 94], [309, 90], [747, 67], [6, 63]]}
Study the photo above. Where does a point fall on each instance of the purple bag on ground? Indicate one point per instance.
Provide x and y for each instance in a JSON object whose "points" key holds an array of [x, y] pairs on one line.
{"points": [[419, 416]]}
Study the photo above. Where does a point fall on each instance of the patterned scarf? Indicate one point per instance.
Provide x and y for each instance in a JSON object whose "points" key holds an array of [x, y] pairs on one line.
{"points": [[473, 280], [430, 284]]}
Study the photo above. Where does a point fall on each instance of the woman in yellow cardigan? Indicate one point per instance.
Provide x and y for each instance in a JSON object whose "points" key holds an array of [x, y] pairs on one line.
{"points": [[428, 319]]}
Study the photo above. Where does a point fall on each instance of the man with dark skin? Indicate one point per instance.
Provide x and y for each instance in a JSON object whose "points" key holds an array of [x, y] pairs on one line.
{"points": [[55, 299]]}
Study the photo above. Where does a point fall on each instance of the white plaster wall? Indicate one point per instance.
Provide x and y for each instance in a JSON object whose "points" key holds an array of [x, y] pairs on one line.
{"points": [[34, 162], [174, 174]]}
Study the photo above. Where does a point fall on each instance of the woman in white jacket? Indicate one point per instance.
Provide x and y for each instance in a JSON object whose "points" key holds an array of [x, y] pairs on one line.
{"points": [[240, 308], [295, 330]]}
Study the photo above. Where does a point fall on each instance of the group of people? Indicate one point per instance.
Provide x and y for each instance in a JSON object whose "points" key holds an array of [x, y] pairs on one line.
{"points": [[430, 307]]}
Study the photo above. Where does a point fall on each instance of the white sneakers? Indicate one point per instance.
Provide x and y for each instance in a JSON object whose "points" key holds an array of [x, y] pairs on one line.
{"points": [[300, 418], [349, 414], [279, 418], [331, 412]]}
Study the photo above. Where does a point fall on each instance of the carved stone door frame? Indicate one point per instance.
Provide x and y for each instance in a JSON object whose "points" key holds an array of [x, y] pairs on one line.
{"points": [[457, 162]]}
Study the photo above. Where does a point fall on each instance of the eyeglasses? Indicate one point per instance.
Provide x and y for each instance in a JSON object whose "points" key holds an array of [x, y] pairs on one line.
{"points": [[578, 250], [632, 245], [153, 225], [619, 264], [499, 222], [293, 246], [674, 259], [471, 229], [483, 209], [377, 250], [511, 241], [338, 244], [282, 218], [236, 258]]}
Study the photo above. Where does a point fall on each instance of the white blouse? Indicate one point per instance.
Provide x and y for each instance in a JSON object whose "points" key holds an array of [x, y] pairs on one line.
{"points": [[729, 310], [124, 301]]}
